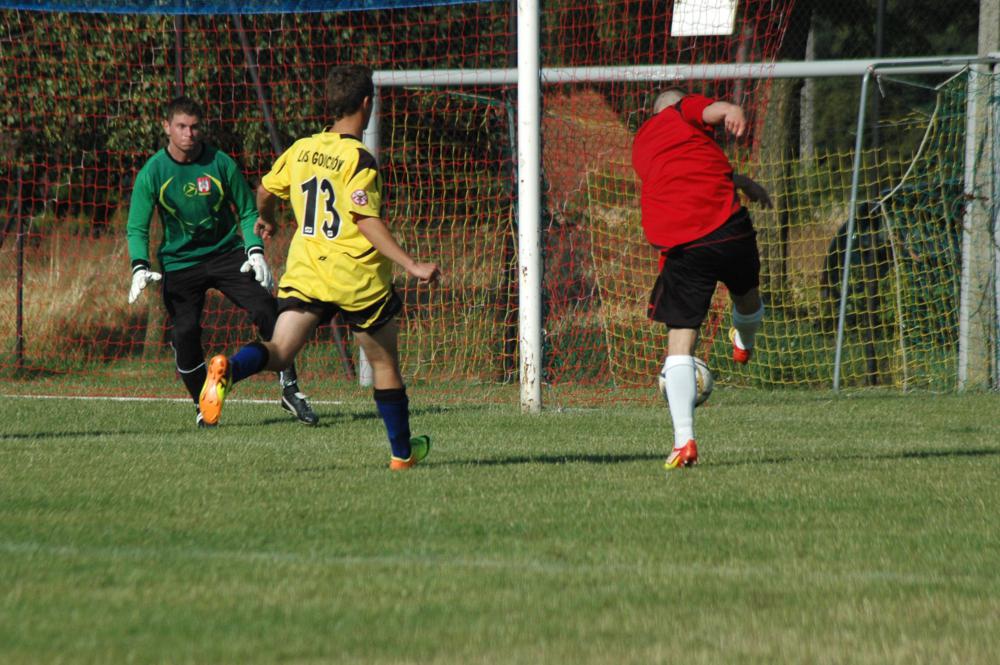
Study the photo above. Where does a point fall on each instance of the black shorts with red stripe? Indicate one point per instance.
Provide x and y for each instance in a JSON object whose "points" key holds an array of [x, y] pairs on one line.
{"points": [[689, 272]]}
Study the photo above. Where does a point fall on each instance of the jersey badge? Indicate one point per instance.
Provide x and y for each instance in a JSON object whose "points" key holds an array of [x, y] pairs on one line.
{"points": [[360, 197]]}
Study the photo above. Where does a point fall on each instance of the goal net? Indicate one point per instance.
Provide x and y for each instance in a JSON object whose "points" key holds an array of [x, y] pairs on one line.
{"points": [[81, 114], [902, 305]]}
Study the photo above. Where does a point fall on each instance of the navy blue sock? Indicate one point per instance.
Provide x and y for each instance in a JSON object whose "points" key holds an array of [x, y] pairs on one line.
{"points": [[249, 360], [394, 407]]}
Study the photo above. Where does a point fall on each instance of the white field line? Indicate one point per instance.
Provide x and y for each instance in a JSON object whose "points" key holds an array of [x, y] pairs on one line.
{"points": [[231, 400], [31, 549]]}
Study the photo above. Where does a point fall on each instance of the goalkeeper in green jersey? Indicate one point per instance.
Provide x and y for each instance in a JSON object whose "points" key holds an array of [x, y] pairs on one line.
{"points": [[207, 211]]}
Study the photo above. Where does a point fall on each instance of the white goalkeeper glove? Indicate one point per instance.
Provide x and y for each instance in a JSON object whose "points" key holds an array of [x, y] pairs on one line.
{"points": [[255, 262], [140, 278]]}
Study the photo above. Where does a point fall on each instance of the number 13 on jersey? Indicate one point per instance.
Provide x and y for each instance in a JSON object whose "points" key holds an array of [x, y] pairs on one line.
{"points": [[325, 215]]}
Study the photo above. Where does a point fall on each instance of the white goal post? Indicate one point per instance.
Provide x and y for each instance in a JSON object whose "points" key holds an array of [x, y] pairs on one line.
{"points": [[529, 76]]}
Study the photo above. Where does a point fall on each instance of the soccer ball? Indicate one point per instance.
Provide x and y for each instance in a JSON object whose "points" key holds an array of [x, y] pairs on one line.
{"points": [[703, 382]]}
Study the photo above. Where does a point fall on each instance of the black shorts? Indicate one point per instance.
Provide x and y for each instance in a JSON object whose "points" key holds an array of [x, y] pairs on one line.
{"points": [[683, 291], [367, 320], [184, 294]]}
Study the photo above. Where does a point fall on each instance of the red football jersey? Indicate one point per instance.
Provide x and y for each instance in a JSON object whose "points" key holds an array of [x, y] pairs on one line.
{"points": [[687, 181]]}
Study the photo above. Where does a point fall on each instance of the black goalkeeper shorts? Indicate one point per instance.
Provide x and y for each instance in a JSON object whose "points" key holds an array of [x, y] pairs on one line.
{"points": [[184, 293], [684, 289]]}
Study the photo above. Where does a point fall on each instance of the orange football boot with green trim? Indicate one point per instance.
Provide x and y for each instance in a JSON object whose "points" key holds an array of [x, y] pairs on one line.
{"points": [[213, 392], [419, 447]]}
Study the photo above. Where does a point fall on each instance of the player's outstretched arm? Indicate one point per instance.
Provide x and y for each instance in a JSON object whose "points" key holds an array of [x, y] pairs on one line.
{"points": [[378, 234], [753, 190], [729, 115]]}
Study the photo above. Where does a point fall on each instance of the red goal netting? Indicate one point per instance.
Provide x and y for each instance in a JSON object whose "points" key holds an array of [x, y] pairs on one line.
{"points": [[81, 110]]}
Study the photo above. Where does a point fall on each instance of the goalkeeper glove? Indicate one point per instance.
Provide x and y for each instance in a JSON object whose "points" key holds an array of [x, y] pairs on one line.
{"points": [[141, 276], [255, 262]]}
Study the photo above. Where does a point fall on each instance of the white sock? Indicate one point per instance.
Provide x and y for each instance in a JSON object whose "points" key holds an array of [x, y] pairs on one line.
{"points": [[746, 327], [681, 393]]}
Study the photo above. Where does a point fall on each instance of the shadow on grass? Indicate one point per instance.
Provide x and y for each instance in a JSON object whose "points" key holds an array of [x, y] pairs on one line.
{"points": [[41, 436], [922, 454], [26, 374], [141, 434], [753, 461], [304, 470], [325, 420], [552, 459], [354, 413], [904, 455], [328, 418]]}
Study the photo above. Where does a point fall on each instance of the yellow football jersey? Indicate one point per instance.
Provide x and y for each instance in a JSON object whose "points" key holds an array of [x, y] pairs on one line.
{"points": [[332, 180]]}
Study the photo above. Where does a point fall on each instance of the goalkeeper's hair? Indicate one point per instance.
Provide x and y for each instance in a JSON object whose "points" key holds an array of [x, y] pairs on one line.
{"points": [[185, 105], [345, 90]]}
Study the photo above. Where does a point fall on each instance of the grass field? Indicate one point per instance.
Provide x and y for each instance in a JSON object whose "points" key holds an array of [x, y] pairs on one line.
{"points": [[818, 529]]}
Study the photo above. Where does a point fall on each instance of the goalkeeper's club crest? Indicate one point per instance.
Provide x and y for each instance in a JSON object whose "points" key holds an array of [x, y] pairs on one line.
{"points": [[204, 185]]}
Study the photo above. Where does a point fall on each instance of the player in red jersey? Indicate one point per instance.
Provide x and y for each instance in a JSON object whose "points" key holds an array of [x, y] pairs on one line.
{"points": [[692, 213]]}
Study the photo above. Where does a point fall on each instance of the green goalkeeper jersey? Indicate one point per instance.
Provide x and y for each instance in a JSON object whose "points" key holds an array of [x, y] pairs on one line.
{"points": [[195, 202]]}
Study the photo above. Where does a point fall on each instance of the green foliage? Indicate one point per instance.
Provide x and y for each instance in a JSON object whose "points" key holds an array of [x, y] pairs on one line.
{"points": [[84, 92], [846, 30]]}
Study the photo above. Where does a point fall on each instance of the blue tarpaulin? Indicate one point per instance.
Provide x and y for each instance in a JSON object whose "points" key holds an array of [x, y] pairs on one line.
{"points": [[219, 6]]}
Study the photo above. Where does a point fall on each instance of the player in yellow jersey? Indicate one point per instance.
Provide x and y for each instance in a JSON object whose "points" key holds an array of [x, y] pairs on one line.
{"points": [[340, 260]]}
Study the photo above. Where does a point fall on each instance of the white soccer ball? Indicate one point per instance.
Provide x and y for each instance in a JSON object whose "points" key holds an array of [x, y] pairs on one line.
{"points": [[703, 382]]}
